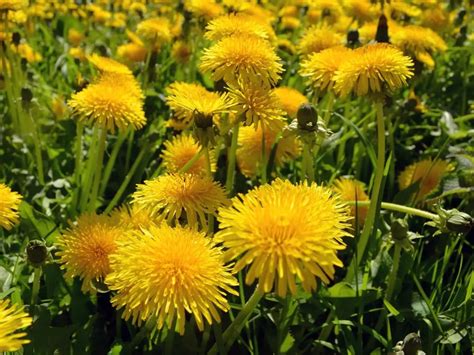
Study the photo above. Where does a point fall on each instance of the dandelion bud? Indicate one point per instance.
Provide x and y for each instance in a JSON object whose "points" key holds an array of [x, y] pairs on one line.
{"points": [[412, 344], [202, 121], [16, 38], [381, 35], [307, 117], [26, 95], [353, 38], [399, 230], [460, 222], [36, 252]]}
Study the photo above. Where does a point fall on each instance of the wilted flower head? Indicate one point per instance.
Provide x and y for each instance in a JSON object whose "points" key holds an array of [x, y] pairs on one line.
{"points": [[377, 68], [257, 104], [85, 249], [180, 198], [250, 146], [167, 272], [112, 101], [180, 150], [249, 58], [12, 319], [290, 99], [284, 233], [353, 190], [320, 68], [9, 203], [427, 172]]}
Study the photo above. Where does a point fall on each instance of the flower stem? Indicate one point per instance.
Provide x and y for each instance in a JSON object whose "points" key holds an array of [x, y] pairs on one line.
{"points": [[191, 161], [308, 164], [210, 216], [229, 182], [373, 208], [264, 157], [111, 162], [89, 171], [36, 284], [393, 274], [399, 208], [78, 164], [98, 171], [233, 331]]}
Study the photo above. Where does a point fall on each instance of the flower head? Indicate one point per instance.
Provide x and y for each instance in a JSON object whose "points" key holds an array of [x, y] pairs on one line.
{"points": [[9, 203], [249, 152], [13, 5], [362, 10], [178, 197], [427, 172], [12, 319], [180, 150], [108, 65], [207, 9], [284, 232], [249, 58], [186, 99], [112, 101], [167, 272], [373, 69], [419, 42], [85, 249], [155, 31], [130, 217], [132, 52], [320, 68], [257, 104], [318, 38], [290, 99], [237, 24], [353, 190]]}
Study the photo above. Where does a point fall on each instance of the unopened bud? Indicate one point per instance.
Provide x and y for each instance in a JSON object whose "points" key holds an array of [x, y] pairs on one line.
{"points": [[307, 117], [381, 35], [36, 252], [353, 38], [460, 223], [202, 121]]}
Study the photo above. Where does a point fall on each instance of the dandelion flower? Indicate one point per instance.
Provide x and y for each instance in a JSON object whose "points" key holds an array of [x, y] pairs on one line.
{"points": [[362, 10], [155, 30], [284, 232], [237, 24], [249, 58], [427, 172], [373, 69], [12, 318], [353, 190], [436, 18], [168, 272], [130, 217], [318, 38], [257, 104], [9, 203], [180, 150], [185, 99], [181, 52], [320, 68], [132, 52], [328, 11], [419, 42], [85, 249], [174, 197], [75, 37], [108, 65], [290, 99], [207, 9], [249, 151], [113, 101], [12, 5]]}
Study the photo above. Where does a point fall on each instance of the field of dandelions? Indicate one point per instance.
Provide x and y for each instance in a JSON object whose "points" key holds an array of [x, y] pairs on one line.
{"points": [[236, 177]]}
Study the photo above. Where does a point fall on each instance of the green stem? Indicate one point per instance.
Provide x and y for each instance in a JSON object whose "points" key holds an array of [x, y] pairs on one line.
{"points": [[308, 164], [264, 157], [210, 216], [78, 163], [111, 162], [219, 340], [98, 171], [192, 161], [170, 338], [398, 208], [373, 208], [234, 329], [126, 181], [36, 284], [326, 330], [229, 183], [393, 275], [90, 170]]}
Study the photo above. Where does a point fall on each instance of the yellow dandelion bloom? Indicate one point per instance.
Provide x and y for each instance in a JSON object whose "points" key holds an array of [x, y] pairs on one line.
{"points": [[25, 51], [238, 24], [249, 151], [85, 249], [183, 272], [77, 53], [185, 99], [290, 99], [353, 190], [75, 37], [327, 11], [182, 149], [400, 8], [249, 58], [181, 52], [108, 65], [155, 31], [362, 10], [12, 5], [373, 69], [12, 319], [435, 18], [180, 198], [113, 101], [419, 42], [318, 38], [429, 174], [320, 68], [257, 104], [207, 9], [290, 23], [9, 203], [131, 217], [284, 233], [132, 52]]}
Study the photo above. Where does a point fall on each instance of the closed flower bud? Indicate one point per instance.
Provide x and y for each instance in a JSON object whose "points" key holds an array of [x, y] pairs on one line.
{"points": [[36, 252], [381, 35], [307, 117], [460, 222]]}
